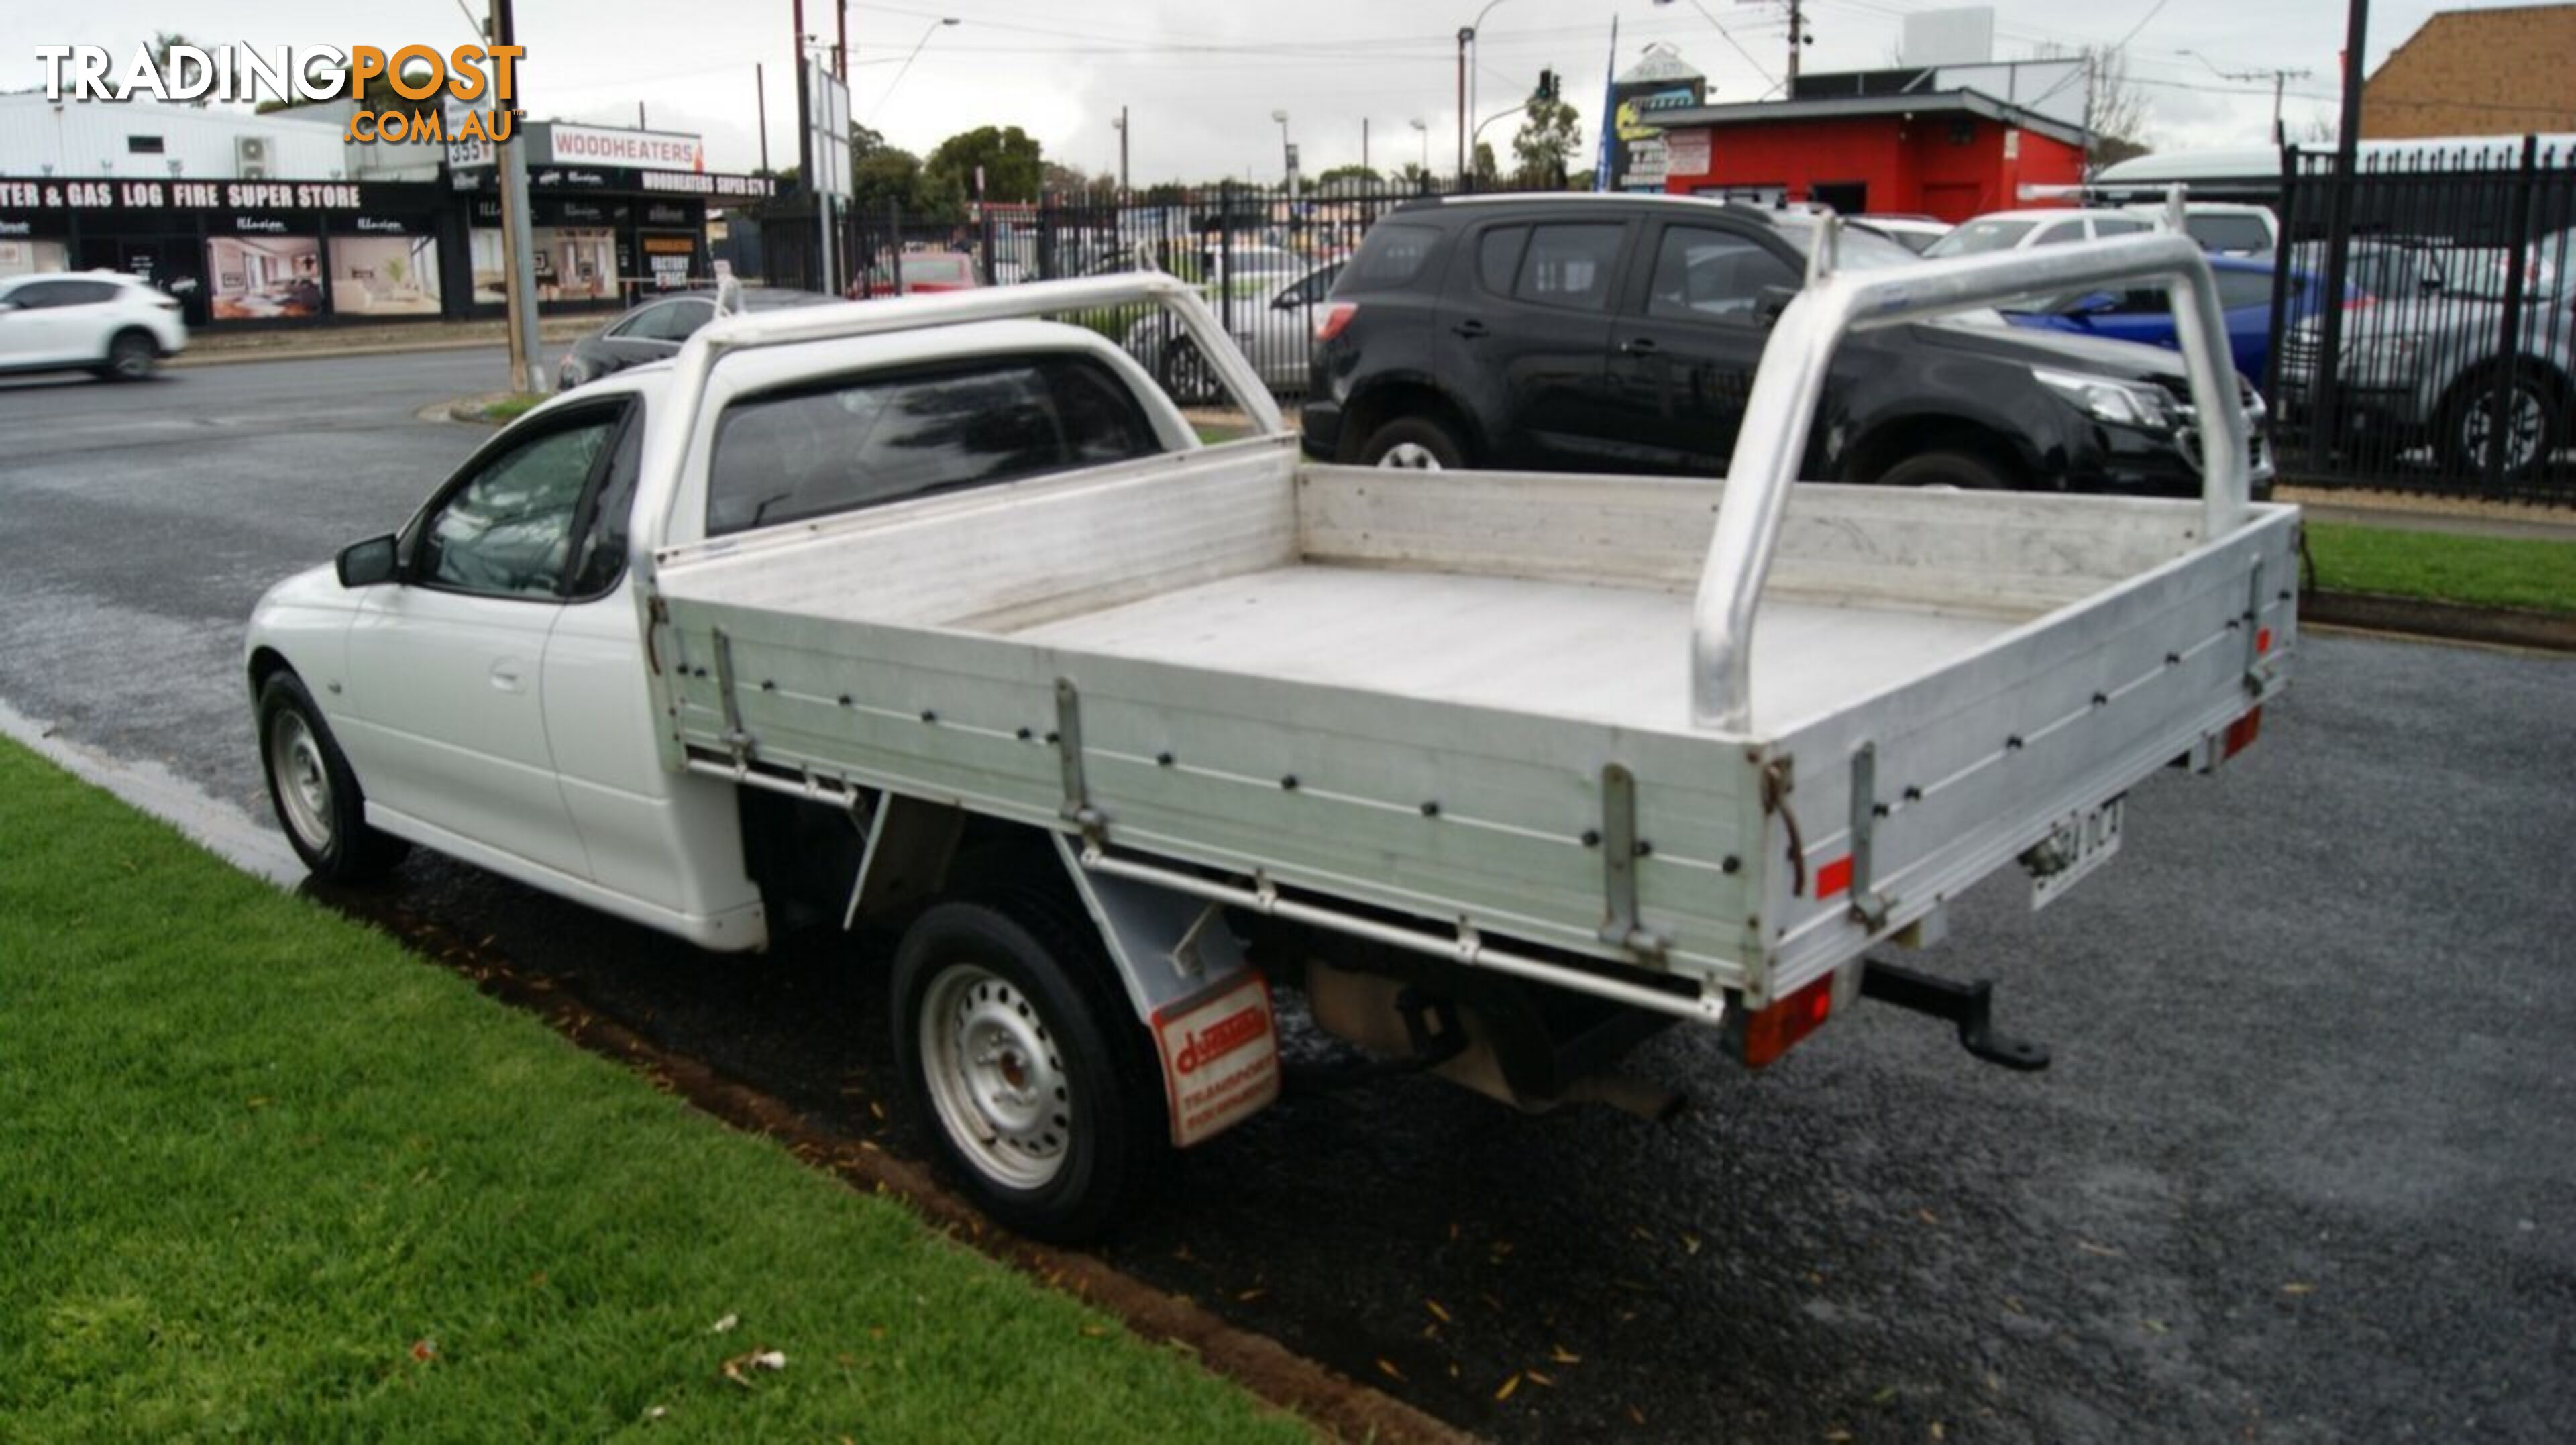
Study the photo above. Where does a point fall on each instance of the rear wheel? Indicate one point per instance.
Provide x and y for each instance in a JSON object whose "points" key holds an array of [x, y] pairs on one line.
{"points": [[1020, 1053], [1413, 443], [2533, 426], [1966, 471], [131, 356], [315, 795], [1186, 373]]}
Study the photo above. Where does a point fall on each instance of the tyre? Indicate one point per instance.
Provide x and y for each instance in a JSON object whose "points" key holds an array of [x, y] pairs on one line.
{"points": [[1966, 471], [1021, 1055], [1185, 374], [1413, 443], [2535, 427], [315, 795], [131, 356]]}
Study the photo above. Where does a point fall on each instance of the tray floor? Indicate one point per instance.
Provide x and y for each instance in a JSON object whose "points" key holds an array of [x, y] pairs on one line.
{"points": [[1597, 654]]}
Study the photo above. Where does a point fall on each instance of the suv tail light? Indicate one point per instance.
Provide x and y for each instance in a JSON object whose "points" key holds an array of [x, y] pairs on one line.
{"points": [[1335, 317]]}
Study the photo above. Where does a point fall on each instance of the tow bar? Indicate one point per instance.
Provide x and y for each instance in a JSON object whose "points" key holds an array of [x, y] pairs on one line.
{"points": [[1969, 1005]]}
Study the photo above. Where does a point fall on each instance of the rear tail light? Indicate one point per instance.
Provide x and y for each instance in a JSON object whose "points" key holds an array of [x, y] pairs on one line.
{"points": [[1335, 317], [2241, 734], [1770, 1032]]}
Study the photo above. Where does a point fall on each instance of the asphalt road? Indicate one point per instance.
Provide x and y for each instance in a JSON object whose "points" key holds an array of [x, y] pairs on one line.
{"points": [[2303, 1169]]}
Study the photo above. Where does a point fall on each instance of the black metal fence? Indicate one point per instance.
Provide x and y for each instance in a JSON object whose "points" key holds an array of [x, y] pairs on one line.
{"points": [[2450, 366], [1266, 257]]}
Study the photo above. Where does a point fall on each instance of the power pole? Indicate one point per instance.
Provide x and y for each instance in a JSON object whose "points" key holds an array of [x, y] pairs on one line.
{"points": [[1364, 120], [841, 46], [1797, 38], [760, 92], [2356, 37], [527, 357], [1122, 152], [1465, 34]]}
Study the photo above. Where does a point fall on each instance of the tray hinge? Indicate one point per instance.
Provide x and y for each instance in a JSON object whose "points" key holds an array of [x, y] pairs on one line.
{"points": [[1068, 746], [2254, 631], [1867, 907], [1620, 850], [735, 737]]}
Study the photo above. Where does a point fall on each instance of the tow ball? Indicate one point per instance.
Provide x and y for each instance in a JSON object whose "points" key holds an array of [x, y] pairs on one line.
{"points": [[1969, 1005]]}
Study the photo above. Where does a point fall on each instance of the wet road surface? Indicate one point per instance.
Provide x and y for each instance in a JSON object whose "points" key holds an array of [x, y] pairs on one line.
{"points": [[2303, 1169]]}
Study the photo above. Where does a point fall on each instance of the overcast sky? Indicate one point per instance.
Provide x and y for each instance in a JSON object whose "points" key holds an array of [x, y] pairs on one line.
{"points": [[1201, 79]]}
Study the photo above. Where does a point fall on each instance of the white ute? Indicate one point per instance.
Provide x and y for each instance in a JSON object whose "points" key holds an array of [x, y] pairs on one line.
{"points": [[933, 614]]}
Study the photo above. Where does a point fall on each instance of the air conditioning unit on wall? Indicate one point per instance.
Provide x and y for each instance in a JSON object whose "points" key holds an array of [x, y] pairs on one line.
{"points": [[250, 157]]}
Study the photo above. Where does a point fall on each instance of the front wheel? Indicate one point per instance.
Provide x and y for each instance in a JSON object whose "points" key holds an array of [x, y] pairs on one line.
{"points": [[1964, 471], [1186, 375], [314, 792], [1019, 1051]]}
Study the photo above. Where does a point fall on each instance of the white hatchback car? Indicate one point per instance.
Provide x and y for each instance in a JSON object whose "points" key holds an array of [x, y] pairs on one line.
{"points": [[117, 326]]}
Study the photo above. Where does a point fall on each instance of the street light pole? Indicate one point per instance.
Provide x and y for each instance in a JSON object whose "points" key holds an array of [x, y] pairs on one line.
{"points": [[1467, 56], [1287, 155], [1121, 123], [1422, 128]]}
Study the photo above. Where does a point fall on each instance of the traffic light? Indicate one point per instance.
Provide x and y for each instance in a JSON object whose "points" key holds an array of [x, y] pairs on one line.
{"points": [[1546, 85]]}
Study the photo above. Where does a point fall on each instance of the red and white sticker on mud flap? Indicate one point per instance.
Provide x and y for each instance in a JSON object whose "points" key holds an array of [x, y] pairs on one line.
{"points": [[1220, 1057]]}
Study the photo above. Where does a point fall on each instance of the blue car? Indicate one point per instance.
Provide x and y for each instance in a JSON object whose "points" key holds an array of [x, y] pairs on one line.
{"points": [[2244, 293]]}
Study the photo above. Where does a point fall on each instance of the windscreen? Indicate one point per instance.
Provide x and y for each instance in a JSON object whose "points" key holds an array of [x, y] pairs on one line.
{"points": [[1973, 237]]}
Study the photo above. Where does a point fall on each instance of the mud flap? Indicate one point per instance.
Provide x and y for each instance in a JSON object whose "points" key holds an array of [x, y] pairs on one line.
{"points": [[1195, 991], [1220, 1055]]}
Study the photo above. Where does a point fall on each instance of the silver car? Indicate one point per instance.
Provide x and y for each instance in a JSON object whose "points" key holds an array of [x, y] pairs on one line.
{"points": [[1272, 318], [2423, 363]]}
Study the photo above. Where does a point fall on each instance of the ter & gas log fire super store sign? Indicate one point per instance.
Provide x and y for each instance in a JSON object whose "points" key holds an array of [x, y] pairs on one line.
{"points": [[116, 196]]}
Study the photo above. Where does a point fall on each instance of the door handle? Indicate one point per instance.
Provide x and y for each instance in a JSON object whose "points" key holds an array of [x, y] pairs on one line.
{"points": [[1469, 329], [506, 676], [1637, 346]]}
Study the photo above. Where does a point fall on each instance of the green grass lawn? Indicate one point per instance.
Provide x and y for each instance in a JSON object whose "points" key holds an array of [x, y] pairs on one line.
{"points": [[2487, 571], [510, 408], [265, 1175]]}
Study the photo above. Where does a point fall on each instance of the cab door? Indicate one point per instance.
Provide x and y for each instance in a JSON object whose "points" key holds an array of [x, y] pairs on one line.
{"points": [[445, 723], [1523, 328], [1686, 342]]}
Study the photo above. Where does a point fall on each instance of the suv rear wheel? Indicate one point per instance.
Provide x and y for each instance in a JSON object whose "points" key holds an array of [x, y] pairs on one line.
{"points": [[131, 356], [1413, 443], [2533, 427]]}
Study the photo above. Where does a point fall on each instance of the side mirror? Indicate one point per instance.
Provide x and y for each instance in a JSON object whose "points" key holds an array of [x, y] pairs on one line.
{"points": [[367, 563]]}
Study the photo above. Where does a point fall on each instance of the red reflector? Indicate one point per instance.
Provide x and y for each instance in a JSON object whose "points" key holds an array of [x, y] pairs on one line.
{"points": [[1834, 877], [1769, 1032], [1335, 317], [2262, 640], [2242, 733]]}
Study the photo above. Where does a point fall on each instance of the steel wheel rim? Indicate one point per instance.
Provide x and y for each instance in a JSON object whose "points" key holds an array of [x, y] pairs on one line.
{"points": [[2521, 432], [1410, 457], [996, 1076], [303, 780]]}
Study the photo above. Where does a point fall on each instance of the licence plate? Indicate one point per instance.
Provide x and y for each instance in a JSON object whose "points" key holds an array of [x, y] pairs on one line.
{"points": [[2086, 842]]}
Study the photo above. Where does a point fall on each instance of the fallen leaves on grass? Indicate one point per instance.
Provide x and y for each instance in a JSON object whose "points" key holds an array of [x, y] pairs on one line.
{"points": [[1388, 1369], [722, 1325], [753, 1360], [424, 1351], [1437, 1312], [1563, 1356], [1509, 1386]]}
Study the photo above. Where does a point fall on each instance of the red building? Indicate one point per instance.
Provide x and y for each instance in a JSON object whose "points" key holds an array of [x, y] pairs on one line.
{"points": [[1950, 154]]}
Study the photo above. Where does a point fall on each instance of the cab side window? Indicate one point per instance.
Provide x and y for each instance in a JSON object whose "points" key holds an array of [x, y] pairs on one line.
{"points": [[1569, 266], [1709, 275], [601, 559], [508, 531], [2060, 234]]}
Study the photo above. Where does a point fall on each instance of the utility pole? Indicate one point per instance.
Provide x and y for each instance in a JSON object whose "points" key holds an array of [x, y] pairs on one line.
{"points": [[1465, 34], [639, 117], [2279, 79], [1122, 152], [2356, 38], [1364, 120], [527, 357], [760, 92], [841, 46], [1797, 39]]}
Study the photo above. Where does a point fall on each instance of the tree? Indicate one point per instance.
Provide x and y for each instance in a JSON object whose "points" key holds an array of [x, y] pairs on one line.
{"points": [[1412, 176], [1350, 175], [2115, 107], [890, 175], [1011, 159], [1546, 143], [1488, 174], [1062, 180]]}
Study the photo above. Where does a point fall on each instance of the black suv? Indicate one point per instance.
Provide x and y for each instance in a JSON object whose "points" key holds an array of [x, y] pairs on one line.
{"points": [[1621, 333]]}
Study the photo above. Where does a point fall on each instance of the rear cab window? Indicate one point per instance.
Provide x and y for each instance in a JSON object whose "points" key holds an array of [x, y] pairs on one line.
{"points": [[865, 441], [1570, 266], [1394, 254]]}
